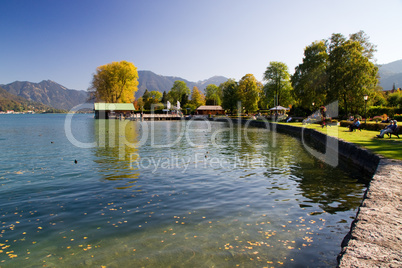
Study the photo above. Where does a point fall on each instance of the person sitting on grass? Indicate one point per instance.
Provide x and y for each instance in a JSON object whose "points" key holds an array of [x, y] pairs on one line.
{"points": [[355, 125], [390, 128]]}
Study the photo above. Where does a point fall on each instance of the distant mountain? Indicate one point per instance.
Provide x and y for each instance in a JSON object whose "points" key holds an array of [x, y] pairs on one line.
{"points": [[47, 92], [10, 101], [390, 74], [154, 82], [53, 94], [393, 67]]}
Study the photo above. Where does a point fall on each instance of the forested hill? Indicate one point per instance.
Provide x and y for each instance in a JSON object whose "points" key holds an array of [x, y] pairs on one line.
{"points": [[9, 101], [47, 92], [151, 81], [391, 73]]}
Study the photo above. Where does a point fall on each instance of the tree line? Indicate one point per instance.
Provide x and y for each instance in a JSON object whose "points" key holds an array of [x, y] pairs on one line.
{"points": [[337, 68]]}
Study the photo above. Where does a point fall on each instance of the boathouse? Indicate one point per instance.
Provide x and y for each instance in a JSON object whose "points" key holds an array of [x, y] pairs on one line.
{"points": [[112, 110], [210, 109]]}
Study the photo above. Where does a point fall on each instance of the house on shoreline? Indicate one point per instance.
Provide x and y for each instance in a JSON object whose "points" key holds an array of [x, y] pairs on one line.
{"points": [[210, 110]]}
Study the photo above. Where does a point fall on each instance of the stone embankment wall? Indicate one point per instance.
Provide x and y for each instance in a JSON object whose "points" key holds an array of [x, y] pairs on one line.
{"points": [[375, 237]]}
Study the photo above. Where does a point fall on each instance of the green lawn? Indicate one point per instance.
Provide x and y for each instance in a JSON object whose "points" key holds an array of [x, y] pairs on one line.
{"points": [[390, 148]]}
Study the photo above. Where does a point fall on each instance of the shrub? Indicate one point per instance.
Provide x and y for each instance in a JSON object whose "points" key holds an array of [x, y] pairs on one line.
{"points": [[398, 117], [376, 110], [368, 126]]}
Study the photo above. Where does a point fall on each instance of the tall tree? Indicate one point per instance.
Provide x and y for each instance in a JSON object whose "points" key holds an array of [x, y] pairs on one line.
{"points": [[249, 92], [164, 97], [151, 98], [139, 104], [368, 48], [310, 79], [197, 97], [394, 99], [351, 74], [178, 90], [344, 72], [145, 96], [213, 95], [230, 95], [278, 87], [115, 82]]}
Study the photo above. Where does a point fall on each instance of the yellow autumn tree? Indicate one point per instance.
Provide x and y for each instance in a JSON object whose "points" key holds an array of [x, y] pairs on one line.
{"points": [[115, 82], [197, 97]]}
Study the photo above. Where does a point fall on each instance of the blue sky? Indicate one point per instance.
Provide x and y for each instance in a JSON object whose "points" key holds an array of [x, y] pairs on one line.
{"points": [[65, 40]]}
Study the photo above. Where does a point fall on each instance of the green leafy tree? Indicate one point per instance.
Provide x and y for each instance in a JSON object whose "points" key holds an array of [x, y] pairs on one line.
{"points": [[178, 90], [164, 98], [338, 69], [249, 92], [350, 75], [145, 96], [278, 89], [230, 95], [184, 99], [115, 82], [213, 95], [156, 95], [395, 99], [310, 79], [378, 99], [364, 40], [151, 98], [140, 104]]}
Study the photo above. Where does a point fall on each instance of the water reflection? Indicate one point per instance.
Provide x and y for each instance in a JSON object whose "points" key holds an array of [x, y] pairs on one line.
{"points": [[116, 150], [333, 189], [286, 163]]}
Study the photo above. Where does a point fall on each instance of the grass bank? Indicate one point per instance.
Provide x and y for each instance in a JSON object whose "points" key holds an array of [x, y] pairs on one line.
{"points": [[389, 148]]}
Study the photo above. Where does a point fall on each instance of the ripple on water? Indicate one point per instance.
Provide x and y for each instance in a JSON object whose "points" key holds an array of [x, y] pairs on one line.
{"points": [[244, 205]]}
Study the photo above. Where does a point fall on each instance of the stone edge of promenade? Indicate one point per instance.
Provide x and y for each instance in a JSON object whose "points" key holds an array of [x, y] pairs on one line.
{"points": [[375, 236]]}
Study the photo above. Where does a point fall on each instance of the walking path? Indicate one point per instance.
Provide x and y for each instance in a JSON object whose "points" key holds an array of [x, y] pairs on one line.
{"points": [[375, 239]]}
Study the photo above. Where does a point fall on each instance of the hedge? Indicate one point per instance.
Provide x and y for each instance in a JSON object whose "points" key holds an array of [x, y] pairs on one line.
{"points": [[389, 111], [368, 126]]}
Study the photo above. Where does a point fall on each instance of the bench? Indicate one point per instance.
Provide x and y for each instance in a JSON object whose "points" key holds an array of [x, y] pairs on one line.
{"points": [[355, 128], [396, 132]]}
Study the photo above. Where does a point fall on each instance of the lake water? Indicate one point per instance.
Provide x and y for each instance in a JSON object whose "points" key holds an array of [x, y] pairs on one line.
{"points": [[166, 194]]}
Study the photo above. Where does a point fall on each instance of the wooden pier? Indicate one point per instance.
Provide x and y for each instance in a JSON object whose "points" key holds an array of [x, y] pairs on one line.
{"points": [[154, 117]]}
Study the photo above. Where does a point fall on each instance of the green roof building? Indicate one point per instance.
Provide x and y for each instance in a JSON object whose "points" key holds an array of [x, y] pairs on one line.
{"points": [[112, 110]]}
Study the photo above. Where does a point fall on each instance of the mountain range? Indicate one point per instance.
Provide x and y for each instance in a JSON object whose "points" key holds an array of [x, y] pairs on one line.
{"points": [[10, 101], [390, 75], [49, 93], [151, 81], [53, 94]]}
